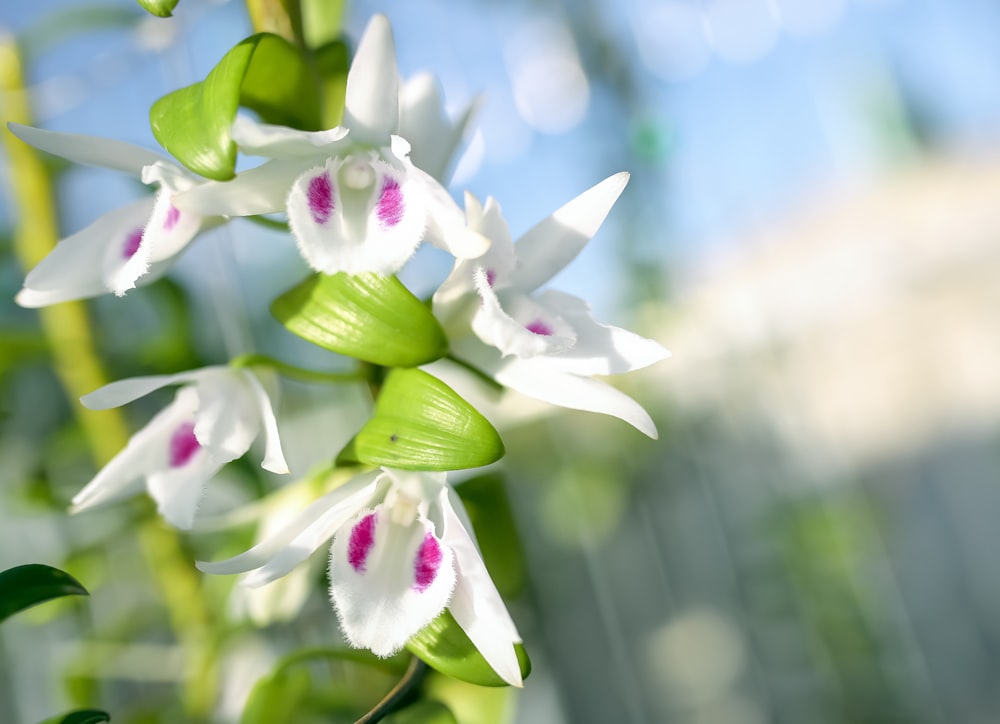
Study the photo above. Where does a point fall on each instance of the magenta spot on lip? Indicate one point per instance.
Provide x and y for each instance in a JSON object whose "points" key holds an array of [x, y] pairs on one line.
{"points": [[173, 216], [426, 566], [361, 542], [132, 242], [491, 277], [183, 445], [320, 198], [539, 327], [390, 203]]}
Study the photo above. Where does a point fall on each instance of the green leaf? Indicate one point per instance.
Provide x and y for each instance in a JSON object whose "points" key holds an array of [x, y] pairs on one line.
{"points": [[333, 60], [443, 645], [80, 716], [486, 501], [25, 586], [276, 696], [264, 73], [427, 711], [322, 21], [366, 316], [159, 8], [422, 424]]}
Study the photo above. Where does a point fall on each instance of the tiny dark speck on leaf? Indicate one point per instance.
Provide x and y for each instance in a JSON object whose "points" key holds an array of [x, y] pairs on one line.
{"points": [[393, 437]]}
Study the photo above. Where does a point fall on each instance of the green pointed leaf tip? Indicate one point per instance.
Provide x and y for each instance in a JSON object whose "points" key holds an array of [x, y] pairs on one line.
{"points": [[422, 424], [264, 73], [444, 646], [25, 586], [366, 316], [80, 716], [159, 8], [428, 711]]}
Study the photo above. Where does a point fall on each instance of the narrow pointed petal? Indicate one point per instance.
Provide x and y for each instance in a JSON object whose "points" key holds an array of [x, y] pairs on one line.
{"points": [[424, 123], [121, 392], [89, 150], [280, 142], [555, 241], [279, 553], [371, 107], [536, 378], [476, 604], [260, 190], [274, 458], [600, 349], [146, 451], [388, 580], [77, 267]]}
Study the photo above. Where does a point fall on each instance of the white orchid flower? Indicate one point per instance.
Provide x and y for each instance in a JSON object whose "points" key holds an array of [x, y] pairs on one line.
{"points": [[402, 552], [545, 345], [138, 241], [213, 420], [356, 203]]}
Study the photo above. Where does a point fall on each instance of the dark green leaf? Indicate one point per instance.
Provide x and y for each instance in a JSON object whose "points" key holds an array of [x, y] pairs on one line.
{"points": [[427, 711], [486, 502], [264, 73], [422, 424], [159, 8], [443, 645], [80, 716], [24, 586], [366, 316]]}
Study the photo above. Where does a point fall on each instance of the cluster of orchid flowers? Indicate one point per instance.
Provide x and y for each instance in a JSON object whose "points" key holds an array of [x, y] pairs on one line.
{"points": [[359, 199]]}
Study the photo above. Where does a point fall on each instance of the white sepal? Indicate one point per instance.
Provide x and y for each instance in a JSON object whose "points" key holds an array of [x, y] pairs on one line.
{"points": [[371, 105]]}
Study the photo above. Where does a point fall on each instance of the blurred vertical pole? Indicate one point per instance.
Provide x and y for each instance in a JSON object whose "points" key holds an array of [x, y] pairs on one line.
{"points": [[67, 330]]}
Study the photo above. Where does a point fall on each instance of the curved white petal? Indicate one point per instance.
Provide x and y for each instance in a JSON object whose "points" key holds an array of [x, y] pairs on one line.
{"points": [[476, 604], [77, 268], [446, 227], [146, 452], [535, 378], [227, 420], [388, 579], [424, 123], [121, 392], [355, 215], [279, 553], [179, 488], [274, 458], [371, 106], [556, 240], [600, 349], [260, 190], [263, 139], [89, 150]]}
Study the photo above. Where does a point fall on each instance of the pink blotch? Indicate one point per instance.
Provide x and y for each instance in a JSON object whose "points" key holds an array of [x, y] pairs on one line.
{"points": [[173, 216], [131, 245], [361, 542], [390, 203], [427, 563], [540, 327], [320, 198], [183, 445], [491, 277]]}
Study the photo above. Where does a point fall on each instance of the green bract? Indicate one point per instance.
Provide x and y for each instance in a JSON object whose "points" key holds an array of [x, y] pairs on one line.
{"points": [[160, 8], [422, 424], [427, 711], [24, 586], [264, 73], [443, 645], [366, 316]]}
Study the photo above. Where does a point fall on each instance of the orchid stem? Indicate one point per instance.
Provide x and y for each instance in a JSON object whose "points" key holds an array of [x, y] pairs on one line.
{"points": [[293, 372], [267, 223], [390, 702]]}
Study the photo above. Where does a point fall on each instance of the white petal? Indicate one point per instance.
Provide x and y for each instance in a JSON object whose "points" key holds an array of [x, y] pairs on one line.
{"points": [[535, 378], [371, 107], [77, 267], [476, 604], [122, 392], [446, 224], [227, 418], [178, 490], [600, 349], [260, 190], [146, 452], [424, 123], [375, 228], [262, 139], [274, 458], [555, 241], [274, 556], [89, 150], [388, 580]]}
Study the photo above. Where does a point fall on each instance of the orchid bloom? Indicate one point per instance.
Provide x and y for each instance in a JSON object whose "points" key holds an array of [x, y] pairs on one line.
{"points": [[545, 345], [138, 241], [213, 420], [356, 203], [402, 552]]}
